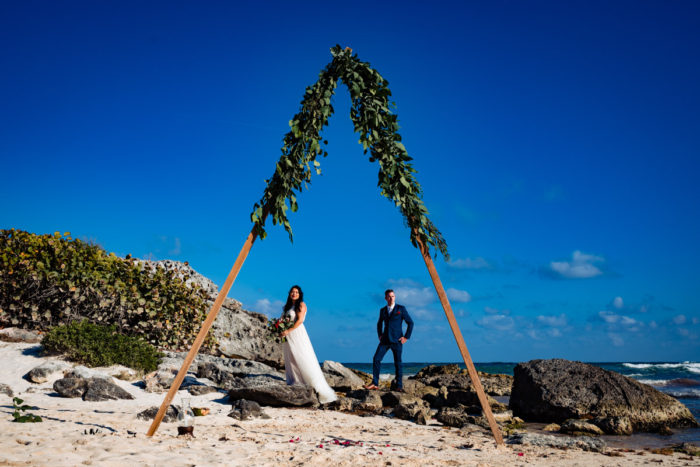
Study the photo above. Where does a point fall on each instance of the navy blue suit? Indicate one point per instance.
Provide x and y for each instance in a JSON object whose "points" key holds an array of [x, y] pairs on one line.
{"points": [[390, 330]]}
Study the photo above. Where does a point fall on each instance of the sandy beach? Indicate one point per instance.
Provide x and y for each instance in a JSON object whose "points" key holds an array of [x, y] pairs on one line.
{"points": [[76, 432]]}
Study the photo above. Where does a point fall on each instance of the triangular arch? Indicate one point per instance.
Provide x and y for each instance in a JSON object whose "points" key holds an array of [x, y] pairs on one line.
{"points": [[378, 128]]}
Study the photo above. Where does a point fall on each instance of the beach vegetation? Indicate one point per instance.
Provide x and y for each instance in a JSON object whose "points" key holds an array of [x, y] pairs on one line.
{"points": [[19, 408], [101, 345], [53, 279]]}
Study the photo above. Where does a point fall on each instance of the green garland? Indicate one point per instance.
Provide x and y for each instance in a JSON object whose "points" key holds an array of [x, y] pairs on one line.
{"points": [[378, 129]]}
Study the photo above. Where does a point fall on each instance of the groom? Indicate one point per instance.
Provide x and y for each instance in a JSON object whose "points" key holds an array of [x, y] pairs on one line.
{"points": [[391, 336]]}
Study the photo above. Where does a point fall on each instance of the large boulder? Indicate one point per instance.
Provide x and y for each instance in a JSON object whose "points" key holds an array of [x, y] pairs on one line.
{"points": [[278, 395], [557, 390], [341, 378]]}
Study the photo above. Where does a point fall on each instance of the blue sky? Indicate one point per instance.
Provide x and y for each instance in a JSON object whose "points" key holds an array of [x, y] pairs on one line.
{"points": [[557, 144]]}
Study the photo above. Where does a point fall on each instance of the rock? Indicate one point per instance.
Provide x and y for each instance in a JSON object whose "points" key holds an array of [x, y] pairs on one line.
{"points": [[552, 427], [200, 389], [70, 387], [343, 404], [341, 378], [435, 370], [411, 410], [159, 380], [366, 401], [418, 389], [41, 373], [99, 389], [556, 390], [580, 427], [90, 389], [279, 395], [85, 373], [20, 335], [365, 377], [453, 416], [240, 333], [150, 414], [423, 418], [586, 443], [232, 378], [245, 410], [5, 389], [614, 425], [392, 399], [451, 376]]}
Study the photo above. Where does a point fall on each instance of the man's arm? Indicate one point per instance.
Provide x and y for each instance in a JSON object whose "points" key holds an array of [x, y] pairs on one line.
{"points": [[379, 325], [409, 322]]}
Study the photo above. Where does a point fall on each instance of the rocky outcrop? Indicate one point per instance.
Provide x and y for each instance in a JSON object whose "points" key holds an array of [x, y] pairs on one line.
{"points": [[90, 389], [451, 376], [557, 390], [341, 378], [278, 395], [20, 335], [240, 333]]}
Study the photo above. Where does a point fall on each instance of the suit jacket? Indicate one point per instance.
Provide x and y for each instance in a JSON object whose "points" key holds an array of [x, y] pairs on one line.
{"points": [[389, 326]]}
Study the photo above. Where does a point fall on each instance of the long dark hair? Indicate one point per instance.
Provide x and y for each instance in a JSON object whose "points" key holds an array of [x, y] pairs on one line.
{"points": [[294, 303]]}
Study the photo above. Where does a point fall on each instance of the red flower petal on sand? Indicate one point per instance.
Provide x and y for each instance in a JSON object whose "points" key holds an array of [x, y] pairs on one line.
{"points": [[320, 446], [521, 454], [380, 453], [387, 445]]}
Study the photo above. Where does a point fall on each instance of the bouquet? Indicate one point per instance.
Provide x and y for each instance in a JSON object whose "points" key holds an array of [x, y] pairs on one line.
{"points": [[277, 326]]}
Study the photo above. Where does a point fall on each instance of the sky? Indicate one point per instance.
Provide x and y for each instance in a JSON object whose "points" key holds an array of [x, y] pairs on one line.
{"points": [[557, 144]]}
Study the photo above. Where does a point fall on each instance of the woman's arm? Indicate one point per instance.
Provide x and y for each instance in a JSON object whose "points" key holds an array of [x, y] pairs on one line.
{"points": [[300, 319]]}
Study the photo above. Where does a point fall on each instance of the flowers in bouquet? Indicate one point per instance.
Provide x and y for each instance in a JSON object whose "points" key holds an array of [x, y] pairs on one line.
{"points": [[277, 326]]}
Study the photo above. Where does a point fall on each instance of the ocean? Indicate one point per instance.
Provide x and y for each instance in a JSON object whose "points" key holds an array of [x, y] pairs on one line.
{"points": [[678, 379]]}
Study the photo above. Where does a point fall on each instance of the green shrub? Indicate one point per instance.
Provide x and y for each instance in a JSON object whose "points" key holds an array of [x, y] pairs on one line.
{"points": [[47, 280], [96, 345]]}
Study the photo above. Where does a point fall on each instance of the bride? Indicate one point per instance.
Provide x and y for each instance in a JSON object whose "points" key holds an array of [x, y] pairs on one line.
{"points": [[300, 362]]}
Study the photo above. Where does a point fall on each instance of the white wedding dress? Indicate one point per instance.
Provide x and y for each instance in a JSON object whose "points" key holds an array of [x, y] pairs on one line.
{"points": [[301, 365]]}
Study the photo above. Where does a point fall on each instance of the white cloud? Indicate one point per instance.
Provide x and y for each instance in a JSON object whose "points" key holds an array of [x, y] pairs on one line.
{"points": [[616, 339], [494, 311], [269, 308], [553, 321], [580, 267], [469, 263], [423, 314], [617, 322], [460, 296], [497, 322], [618, 303], [679, 319]]}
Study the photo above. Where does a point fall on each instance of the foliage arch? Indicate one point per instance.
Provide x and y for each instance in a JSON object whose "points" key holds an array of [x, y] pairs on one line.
{"points": [[378, 128]]}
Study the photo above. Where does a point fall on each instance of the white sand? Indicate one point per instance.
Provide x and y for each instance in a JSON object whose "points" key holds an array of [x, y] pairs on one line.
{"points": [[220, 440]]}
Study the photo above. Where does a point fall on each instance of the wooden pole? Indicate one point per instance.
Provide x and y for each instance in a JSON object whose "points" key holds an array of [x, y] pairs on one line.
{"points": [[203, 331], [460, 342]]}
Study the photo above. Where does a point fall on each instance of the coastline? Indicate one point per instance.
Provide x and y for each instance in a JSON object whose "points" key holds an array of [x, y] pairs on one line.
{"points": [[656, 374], [76, 432]]}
